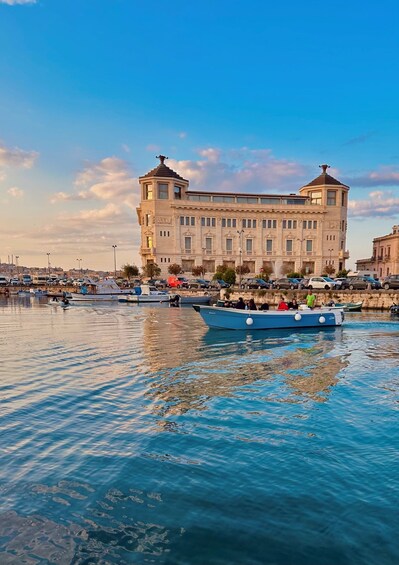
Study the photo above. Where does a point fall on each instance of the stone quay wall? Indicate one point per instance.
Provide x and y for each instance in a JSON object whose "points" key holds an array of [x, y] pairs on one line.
{"points": [[372, 300]]}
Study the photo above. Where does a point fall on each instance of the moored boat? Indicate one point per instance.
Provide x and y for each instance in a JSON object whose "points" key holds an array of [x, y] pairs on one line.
{"points": [[104, 290], [233, 319], [146, 294], [182, 299], [349, 306]]}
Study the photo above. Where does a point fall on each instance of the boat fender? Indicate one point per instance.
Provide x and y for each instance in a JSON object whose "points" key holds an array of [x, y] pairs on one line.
{"points": [[322, 319], [298, 317], [249, 321]]}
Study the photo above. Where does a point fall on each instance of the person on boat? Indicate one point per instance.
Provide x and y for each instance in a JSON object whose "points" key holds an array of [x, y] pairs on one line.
{"points": [[251, 304], [310, 299], [240, 304], [54, 299], [264, 306], [293, 304], [282, 305]]}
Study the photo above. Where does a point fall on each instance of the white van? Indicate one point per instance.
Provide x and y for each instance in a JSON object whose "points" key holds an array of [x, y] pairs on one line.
{"points": [[40, 279], [26, 280], [3, 281]]}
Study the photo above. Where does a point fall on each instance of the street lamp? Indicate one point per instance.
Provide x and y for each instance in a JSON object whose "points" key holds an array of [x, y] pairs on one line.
{"points": [[330, 251], [80, 265], [240, 232], [114, 247], [48, 263], [16, 262]]}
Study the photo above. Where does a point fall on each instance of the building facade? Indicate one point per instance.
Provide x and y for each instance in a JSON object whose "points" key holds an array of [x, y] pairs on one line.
{"points": [[385, 258], [302, 232]]}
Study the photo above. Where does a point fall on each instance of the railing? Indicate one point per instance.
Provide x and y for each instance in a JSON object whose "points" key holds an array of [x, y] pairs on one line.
{"points": [[228, 252]]}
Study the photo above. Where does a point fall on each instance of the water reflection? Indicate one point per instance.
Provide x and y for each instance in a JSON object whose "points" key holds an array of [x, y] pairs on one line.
{"points": [[229, 361]]}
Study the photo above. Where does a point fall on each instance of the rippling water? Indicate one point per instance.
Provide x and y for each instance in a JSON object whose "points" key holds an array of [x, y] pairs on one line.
{"points": [[135, 435]]}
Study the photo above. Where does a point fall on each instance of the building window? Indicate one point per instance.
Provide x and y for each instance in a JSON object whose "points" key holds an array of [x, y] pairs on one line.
{"points": [[208, 222], [314, 224], [315, 197], [163, 193], [331, 197], [309, 246], [147, 219], [208, 245], [177, 192], [148, 195], [248, 246], [288, 245], [269, 246], [229, 245], [187, 244], [229, 223], [343, 199], [289, 224], [244, 223], [149, 241]]}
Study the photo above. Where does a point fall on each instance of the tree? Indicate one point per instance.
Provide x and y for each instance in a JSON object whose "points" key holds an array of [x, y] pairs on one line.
{"points": [[151, 270], [286, 268], [174, 269], [329, 269], [343, 273], [228, 276], [130, 271], [198, 271], [221, 269], [266, 271], [242, 270]]}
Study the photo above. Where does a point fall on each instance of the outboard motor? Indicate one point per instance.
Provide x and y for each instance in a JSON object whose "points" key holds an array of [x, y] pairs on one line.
{"points": [[175, 301]]}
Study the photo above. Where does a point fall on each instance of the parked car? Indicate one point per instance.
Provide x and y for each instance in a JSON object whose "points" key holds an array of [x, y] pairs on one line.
{"points": [[161, 283], [391, 281], [198, 283], [219, 283], [340, 282], [287, 283], [177, 282], [320, 282], [254, 283], [15, 281], [361, 283]]}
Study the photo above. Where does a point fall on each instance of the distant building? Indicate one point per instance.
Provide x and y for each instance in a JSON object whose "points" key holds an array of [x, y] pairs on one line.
{"points": [[385, 258], [286, 232]]}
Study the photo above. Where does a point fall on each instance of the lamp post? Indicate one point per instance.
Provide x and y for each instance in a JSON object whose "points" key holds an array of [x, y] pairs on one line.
{"points": [[114, 248], [330, 251], [16, 262], [240, 232], [48, 263], [79, 265]]}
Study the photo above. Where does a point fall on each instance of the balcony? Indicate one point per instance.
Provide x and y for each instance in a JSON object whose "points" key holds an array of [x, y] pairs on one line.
{"points": [[343, 254], [147, 250]]}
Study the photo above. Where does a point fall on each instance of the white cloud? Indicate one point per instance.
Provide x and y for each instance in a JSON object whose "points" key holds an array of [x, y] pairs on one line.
{"points": [[182, 135], [109, 178], [241, 170], [380, 204], [15, 157], [15, 2], [384, 176], [15, 192]]}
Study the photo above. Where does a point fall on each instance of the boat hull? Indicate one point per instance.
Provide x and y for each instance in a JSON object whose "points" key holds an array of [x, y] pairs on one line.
{"points": [[145, 299], [232, 319], [350, 306], [77, 297]]}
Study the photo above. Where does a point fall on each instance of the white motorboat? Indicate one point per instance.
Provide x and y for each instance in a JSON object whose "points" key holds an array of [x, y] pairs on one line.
{"points": [[37, 292], [91, 291], [146, 294]]}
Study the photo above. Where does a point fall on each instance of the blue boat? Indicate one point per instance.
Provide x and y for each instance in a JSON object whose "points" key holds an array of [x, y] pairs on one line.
{"points": [[233, 319]]}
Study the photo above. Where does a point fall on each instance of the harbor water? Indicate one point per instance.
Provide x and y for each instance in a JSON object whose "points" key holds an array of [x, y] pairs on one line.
{"points": [[133, 434]]}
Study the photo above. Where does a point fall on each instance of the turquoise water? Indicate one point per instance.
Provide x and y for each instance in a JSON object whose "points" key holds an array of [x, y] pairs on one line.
{"points": [[135, 435]]}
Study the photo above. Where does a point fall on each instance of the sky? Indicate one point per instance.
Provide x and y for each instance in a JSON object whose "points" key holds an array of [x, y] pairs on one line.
{"points": [[243, 96]]}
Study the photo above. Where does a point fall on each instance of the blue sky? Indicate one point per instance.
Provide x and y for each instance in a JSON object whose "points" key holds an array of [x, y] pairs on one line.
{"points": [[246, 95]]}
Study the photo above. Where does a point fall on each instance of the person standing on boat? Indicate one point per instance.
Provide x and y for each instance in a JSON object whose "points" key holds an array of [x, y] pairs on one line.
{"points": [[310, 300], [240, 304]]}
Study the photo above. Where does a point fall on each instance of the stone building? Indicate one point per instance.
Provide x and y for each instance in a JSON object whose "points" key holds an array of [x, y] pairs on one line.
{"points": [[301, 232], [385, 258]]}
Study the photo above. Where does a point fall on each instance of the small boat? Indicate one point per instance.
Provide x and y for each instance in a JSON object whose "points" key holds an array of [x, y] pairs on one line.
{"points": [[37, 292], [182, 299], [24, 293], [146, 294], [59, 303], [349, 306], [233, 319], [104, 290]]}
